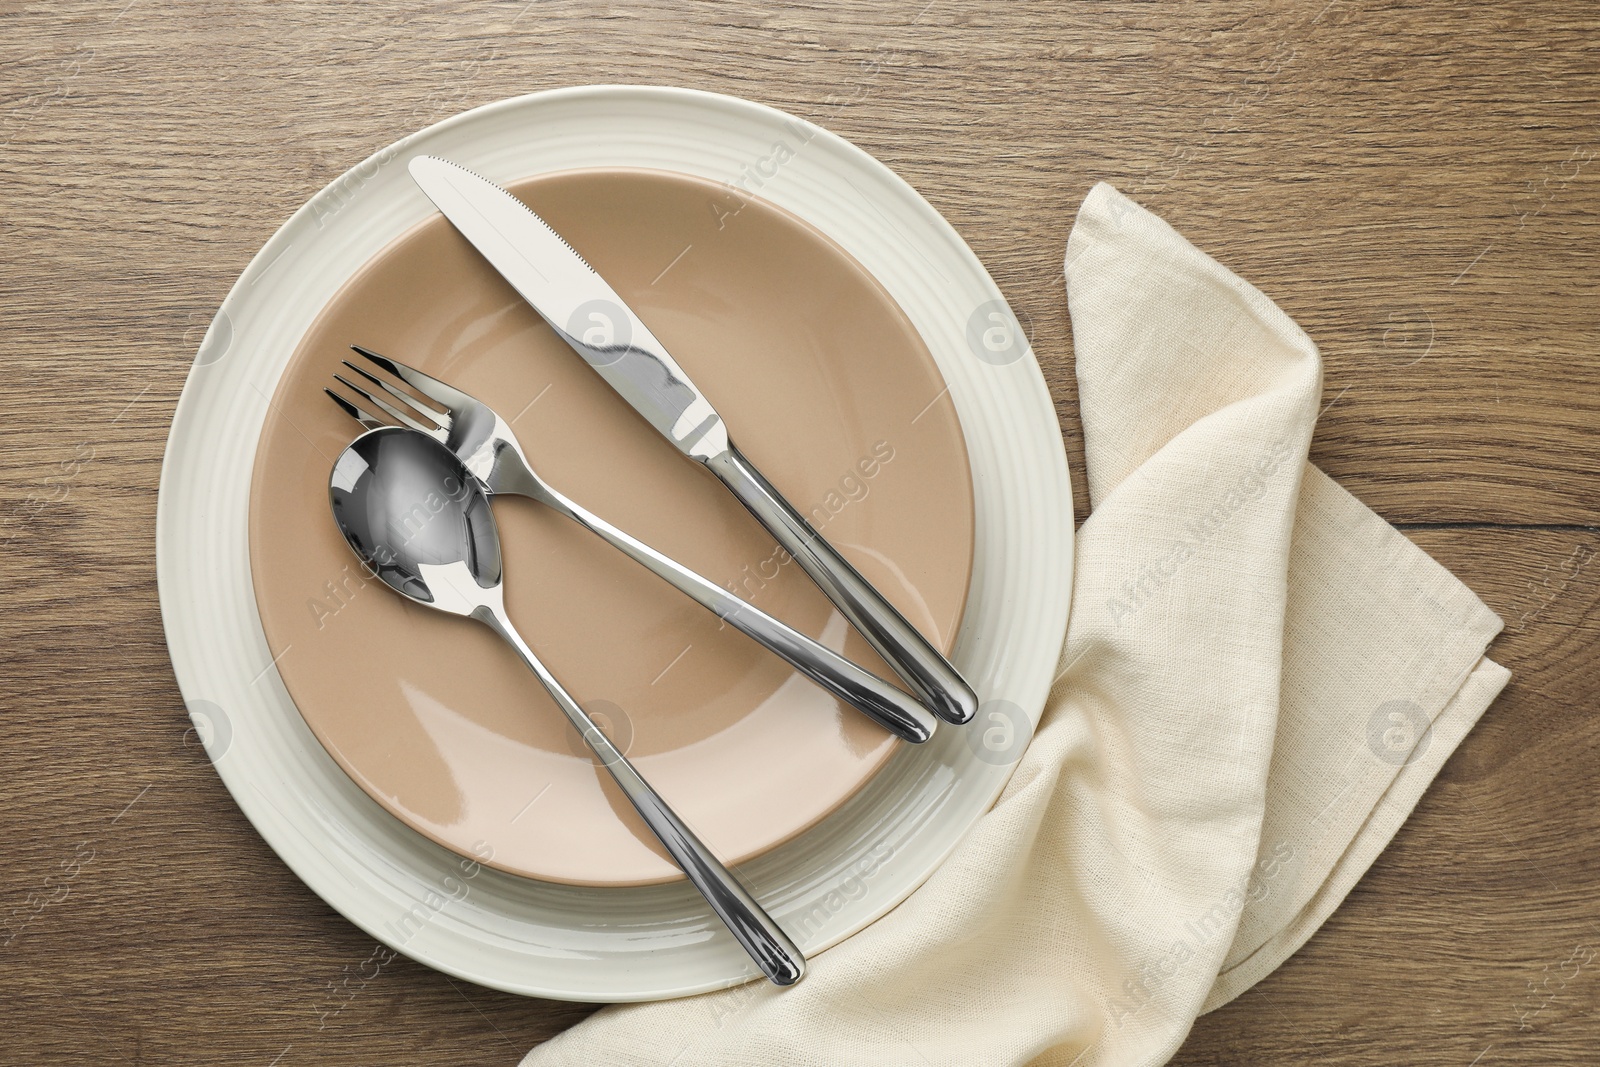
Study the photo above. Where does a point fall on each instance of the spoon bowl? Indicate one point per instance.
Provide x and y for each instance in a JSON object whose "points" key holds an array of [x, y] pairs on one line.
{"points": [[407, 508]]}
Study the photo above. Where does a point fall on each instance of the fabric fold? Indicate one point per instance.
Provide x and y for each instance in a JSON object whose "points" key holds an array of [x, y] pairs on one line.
{"points": [[1259, 680]]}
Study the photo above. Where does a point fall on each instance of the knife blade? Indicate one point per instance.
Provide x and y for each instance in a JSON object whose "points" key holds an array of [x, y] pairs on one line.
{"points": [[589, 315], [577, 303]]}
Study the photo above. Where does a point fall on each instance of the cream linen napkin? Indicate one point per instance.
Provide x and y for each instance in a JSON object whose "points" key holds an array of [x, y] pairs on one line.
{"points": [[1260, 678]]}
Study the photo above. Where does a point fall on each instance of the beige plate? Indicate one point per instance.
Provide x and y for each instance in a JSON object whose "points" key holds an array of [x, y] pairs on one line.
{"points": [[824, 383]]}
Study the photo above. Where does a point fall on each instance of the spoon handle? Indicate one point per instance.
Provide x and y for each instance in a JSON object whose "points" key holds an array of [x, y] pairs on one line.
{"points": [[895, 711], [777, 956]]}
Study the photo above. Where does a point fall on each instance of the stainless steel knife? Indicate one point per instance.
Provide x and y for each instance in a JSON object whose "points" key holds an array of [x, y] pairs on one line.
{"points": [[588, 314]]}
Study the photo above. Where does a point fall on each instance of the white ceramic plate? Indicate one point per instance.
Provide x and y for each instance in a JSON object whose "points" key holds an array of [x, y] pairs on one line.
{"points": [[648, 942]]}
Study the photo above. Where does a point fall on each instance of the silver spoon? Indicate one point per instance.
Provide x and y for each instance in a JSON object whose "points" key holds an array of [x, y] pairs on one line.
{"points": [[422, 525]]}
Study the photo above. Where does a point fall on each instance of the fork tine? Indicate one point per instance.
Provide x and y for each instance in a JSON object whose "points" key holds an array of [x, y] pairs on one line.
{"points": [[406, 400], [367, 421], [426, 384], [390, 409]]}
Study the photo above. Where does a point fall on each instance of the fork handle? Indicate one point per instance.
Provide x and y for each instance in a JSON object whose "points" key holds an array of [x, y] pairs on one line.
{"points": [[892, 709], [896, 640]]}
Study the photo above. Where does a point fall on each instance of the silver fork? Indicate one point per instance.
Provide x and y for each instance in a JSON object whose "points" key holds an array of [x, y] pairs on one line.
{"points": [[486, 446]]}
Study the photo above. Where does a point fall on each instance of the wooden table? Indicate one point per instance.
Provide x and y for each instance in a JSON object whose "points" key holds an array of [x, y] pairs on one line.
{"points": [[1415, 184]]}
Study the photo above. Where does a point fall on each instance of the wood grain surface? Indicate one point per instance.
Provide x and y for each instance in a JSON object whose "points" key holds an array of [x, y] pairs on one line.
{"points": [[1415, 183]]}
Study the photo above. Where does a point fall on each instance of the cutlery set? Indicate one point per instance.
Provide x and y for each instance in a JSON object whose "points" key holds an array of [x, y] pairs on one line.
{"points": [[491, 454], [427, 444]]}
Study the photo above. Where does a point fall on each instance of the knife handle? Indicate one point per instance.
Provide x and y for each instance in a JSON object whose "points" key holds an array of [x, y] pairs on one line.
{"points": [[921, 665]]}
